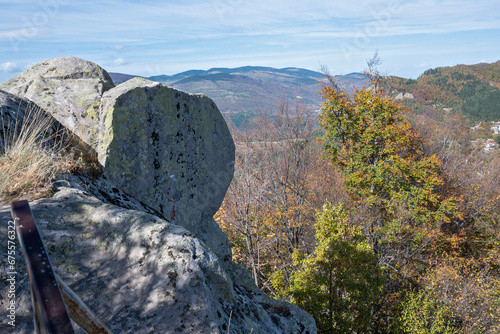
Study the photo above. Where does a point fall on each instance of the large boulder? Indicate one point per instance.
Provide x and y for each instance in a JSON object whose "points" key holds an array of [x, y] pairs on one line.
{"points": [[171, 150], [142, 274], [69, 88], [140, 245]]}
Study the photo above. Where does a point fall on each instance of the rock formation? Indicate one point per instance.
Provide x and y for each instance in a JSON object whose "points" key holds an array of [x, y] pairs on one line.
{"points": [[402, 96], [167, 159], [15, 111], [68, 88], [142, 274], [171, 150]]}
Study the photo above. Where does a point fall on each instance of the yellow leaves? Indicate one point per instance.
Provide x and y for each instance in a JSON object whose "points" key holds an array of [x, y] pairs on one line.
{"points": [[467, 292]]}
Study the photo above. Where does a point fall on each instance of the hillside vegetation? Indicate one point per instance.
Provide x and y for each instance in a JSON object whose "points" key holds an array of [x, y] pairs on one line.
{"points": [[473, 90], [389, 224]]}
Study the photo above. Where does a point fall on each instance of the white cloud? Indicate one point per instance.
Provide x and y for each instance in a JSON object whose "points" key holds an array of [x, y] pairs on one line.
{"points": [[120, 62], [9, 67], [171, 36], [117, 47]]}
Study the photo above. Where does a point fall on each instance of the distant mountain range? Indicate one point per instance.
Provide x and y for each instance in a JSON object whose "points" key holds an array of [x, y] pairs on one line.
{"points": [[241, 93], [245, 91]]}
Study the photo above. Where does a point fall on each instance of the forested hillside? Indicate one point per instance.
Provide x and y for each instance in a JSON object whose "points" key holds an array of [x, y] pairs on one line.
{"points": [[473, 90], [389, 223]]}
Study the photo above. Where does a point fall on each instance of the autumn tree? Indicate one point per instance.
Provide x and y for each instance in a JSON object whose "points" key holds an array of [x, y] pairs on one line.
{"points": [[423, 314], [340, 283], [380, 155], [280, 181], [453, 297], [429, 200]]}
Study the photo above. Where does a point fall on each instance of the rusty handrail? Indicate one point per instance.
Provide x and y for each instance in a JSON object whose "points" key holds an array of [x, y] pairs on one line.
{"points": [[50, 315], [51, 310]]}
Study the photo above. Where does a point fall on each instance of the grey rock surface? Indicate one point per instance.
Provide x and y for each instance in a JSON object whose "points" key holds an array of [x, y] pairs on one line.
{"points": [[142, 274], [69, 88], [106, 192], [402, 96], [171, 150], [140, 245]]}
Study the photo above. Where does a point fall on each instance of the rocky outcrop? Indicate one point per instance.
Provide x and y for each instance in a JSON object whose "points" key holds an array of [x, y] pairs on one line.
{"points": [[171, 150], [139, 244], [402, 96], [142, 274], [68, 88], [12, 112]]}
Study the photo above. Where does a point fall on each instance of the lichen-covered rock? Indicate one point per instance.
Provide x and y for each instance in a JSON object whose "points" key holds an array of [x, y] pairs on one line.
{"points": [[107, 192], [168, 149], [171, 150], [141, 274], [67, 87]]}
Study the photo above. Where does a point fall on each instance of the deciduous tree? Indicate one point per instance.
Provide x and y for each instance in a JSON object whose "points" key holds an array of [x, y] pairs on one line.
{"points": [[340, 283], [380, 155]]}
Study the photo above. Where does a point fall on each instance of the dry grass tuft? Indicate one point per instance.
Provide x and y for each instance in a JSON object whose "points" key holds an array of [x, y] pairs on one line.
{"points": [[84, 160], [31, 156]]}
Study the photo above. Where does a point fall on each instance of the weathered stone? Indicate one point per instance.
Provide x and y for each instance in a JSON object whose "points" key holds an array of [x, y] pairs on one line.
{"points": [[106, 192], [141, 274], [167, 148], [400, 96], [171, 150], [67, 87], [167, 154]]}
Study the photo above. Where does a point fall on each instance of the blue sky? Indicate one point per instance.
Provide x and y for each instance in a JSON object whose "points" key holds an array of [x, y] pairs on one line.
{"points": [[151, 37]]}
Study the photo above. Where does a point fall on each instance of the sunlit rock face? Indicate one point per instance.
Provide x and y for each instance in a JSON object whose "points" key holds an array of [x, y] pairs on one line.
{"points": [[171, 150], [68, 88], [139, 244], [141, 274]]}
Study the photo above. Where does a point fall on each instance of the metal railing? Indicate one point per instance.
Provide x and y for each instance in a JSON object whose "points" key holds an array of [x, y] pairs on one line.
{"points": [[53, 301]]}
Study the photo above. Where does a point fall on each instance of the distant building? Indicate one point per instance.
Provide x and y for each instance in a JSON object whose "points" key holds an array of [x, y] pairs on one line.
{"points": [[495, 128], [490, 145]]}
